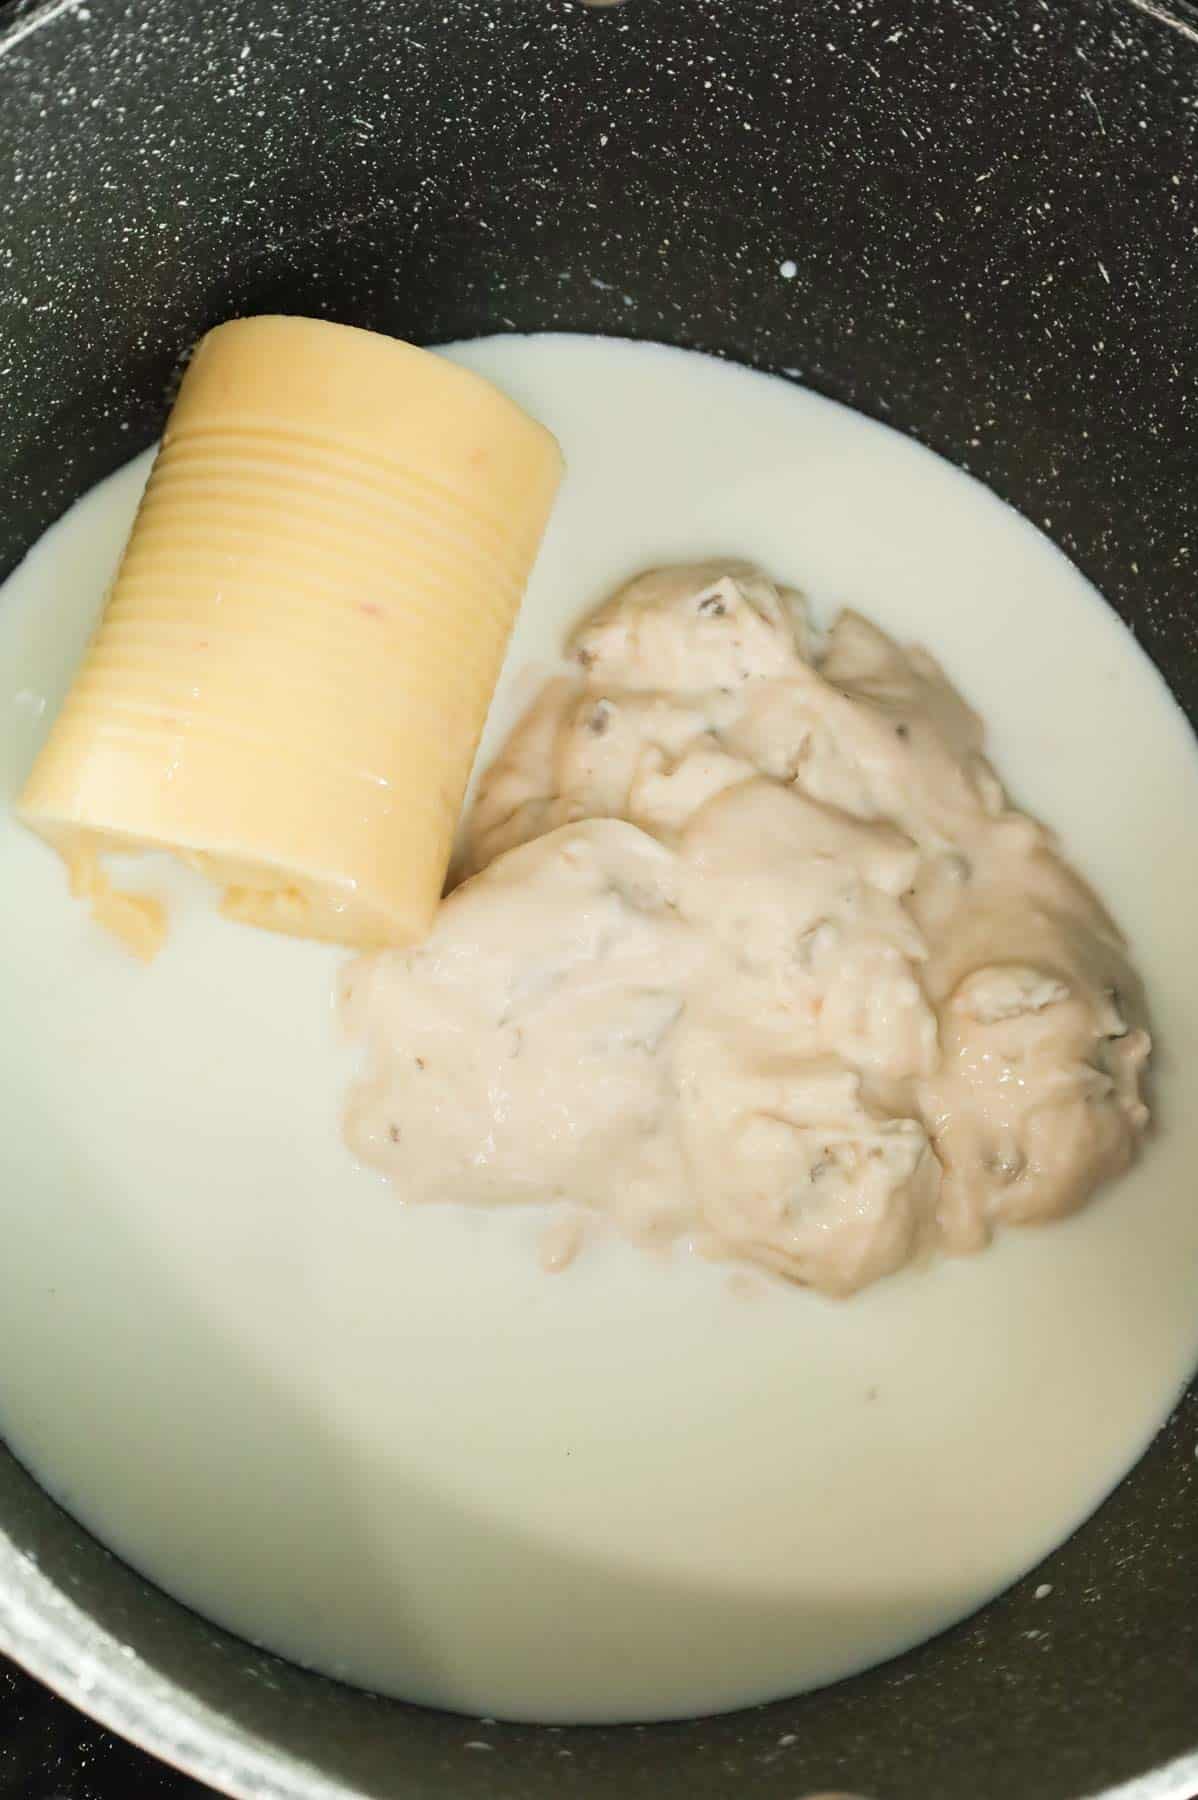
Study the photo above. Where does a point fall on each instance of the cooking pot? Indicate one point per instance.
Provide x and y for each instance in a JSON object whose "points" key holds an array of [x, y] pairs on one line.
{"points": [[976, 221]]}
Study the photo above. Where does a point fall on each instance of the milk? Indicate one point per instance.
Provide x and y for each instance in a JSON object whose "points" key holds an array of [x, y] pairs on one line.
{"points": [[381, 1439]]}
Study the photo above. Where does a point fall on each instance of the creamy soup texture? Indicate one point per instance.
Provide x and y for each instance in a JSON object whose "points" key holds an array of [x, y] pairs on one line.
{"points": [[378, 1436], [766, 959]]}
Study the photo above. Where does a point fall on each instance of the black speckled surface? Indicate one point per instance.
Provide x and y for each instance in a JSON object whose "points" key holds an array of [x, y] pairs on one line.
{"points": [[977, 219], [48, 1751]]}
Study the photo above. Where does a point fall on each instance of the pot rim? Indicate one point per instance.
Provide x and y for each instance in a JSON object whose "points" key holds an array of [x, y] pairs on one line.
{"points": [[60, 1645]]}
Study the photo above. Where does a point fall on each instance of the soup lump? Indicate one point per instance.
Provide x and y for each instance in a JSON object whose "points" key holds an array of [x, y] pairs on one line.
{"points": [[750, 949]]}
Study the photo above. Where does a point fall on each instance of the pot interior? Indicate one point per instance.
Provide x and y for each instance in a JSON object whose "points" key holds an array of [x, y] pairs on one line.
{"points": [[979, 224]]}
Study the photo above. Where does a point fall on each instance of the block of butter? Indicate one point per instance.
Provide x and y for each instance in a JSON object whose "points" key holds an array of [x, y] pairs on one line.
{"points": [[300, 644]]}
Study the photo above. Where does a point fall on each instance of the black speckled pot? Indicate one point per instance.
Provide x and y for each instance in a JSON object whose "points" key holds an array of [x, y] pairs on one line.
{"points": [[991, 211]]}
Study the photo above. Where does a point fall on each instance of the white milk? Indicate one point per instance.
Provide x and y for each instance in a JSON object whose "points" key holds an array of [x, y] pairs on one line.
{"points": [[383, 1441]]}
